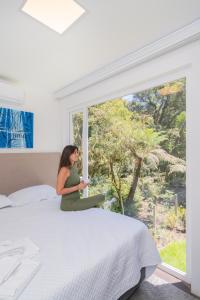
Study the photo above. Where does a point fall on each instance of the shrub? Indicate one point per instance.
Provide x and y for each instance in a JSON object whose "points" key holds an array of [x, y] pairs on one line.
{"points": [[171, 220]]}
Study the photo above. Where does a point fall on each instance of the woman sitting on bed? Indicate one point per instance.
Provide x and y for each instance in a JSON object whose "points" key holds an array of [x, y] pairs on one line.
{"points": [[69, 184]]}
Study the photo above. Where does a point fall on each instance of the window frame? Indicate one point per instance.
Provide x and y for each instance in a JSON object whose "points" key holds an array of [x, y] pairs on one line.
{"points": [[183, 71]]}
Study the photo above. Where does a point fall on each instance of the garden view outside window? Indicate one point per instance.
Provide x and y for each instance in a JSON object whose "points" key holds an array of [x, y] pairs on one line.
{"points": [[137, 157]]}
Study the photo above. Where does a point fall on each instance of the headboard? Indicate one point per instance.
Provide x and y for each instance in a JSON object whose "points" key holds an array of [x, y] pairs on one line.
{"points": [[20, 170]]}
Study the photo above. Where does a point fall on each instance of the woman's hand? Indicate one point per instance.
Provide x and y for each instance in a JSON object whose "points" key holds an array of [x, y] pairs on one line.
{"points": [[82, 185]]}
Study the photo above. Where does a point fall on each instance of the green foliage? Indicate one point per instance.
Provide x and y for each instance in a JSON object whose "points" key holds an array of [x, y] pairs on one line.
{"points": [[152, 187], [117, 138], [182, 213], [137, 203], [174, 255], [182, 217], [137, 147], [167, 197], [171, 220], [180, 120], [167, 106]]}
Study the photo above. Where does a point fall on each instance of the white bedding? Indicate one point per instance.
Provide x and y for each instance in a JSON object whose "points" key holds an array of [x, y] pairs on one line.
{"points": [[92, 254]]}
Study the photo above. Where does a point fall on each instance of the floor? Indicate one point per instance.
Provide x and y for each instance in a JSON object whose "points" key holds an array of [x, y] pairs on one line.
{"points": [[162, 286], [175, 281]]}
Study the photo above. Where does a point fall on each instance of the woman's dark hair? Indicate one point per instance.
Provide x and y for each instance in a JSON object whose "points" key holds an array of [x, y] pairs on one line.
{"points": [[64, 160]]}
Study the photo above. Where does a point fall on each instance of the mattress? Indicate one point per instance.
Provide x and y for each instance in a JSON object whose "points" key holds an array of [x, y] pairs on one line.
{"points": [[90, 254]]}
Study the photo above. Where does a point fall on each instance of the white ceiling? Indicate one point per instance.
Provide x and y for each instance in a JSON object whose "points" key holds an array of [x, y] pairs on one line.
{"points": [[32, 55]]}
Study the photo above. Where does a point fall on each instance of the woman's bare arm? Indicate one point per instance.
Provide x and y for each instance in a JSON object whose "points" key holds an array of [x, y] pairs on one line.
{"points": [[61, 179]]}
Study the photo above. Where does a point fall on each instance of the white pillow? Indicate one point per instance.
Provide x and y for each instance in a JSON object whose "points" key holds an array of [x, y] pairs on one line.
{"points": [[32, 194], [5, 201]]}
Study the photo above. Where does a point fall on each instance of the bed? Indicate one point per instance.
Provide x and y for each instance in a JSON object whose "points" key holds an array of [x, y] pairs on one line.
{"points": [[92, 254]]}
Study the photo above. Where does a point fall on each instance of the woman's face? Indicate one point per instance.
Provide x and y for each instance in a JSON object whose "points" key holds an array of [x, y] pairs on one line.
{"points": [[74, 156]]}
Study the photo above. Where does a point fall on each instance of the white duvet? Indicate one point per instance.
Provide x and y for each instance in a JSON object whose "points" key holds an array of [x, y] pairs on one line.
{"points": [[92, 254]]}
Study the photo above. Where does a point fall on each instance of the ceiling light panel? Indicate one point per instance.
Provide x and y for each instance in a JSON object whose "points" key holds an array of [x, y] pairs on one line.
{"points": [[56, 14]]}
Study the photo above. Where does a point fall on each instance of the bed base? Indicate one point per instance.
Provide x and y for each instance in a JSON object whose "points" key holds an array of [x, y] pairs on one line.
{"points": [[130, 292]]}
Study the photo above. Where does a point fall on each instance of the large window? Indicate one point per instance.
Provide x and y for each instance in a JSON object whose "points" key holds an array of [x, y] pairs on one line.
{"points": [[137, 157]]}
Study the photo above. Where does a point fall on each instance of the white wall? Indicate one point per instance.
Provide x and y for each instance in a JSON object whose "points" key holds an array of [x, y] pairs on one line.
{"points": [[47, 125], [184, 61]]}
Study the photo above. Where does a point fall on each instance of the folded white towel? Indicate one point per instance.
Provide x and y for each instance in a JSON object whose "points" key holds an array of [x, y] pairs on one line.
{"points": [[30, 249], [23, 246], [12, 288], [16, 266], [7, 266], [12, 251]]}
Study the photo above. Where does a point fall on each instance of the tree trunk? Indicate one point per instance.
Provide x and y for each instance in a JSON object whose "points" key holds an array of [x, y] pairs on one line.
{"points": [[117, 187], [163, 110], [121, 203], [129, 201]]}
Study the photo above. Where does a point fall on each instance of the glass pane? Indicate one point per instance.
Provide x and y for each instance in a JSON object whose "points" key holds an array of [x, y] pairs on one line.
{"points": [[137, 156], [77, 131]]}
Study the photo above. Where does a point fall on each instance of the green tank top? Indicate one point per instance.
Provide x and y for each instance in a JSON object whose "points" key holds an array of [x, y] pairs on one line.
{"points": [[72, 180]]}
